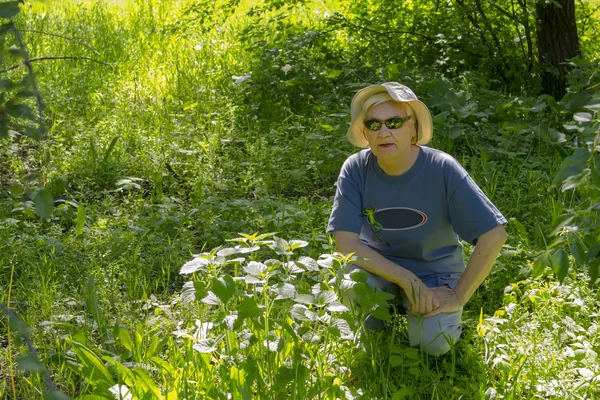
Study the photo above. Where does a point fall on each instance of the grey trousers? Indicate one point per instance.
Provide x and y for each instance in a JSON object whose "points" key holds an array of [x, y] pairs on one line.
{"points": [[434, 335]]}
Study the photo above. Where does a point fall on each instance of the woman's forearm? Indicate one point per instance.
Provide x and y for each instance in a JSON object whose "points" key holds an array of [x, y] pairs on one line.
{"points": [[481, 262]]}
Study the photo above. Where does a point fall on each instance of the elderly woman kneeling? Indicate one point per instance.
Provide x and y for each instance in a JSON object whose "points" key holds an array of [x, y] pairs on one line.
{"points": [[401, 207]]}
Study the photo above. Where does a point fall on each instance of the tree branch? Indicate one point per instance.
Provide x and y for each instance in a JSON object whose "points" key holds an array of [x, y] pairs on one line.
{"points": [[62, 37], [341, 20], [32, 348], [57, 58], [27, 63]]}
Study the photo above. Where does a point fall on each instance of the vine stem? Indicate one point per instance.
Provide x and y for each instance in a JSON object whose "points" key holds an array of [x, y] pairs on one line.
{"points": [[27, 63]]}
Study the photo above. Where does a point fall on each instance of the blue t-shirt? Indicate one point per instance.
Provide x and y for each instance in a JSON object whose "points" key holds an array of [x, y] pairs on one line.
{"points": [[419, 215]]}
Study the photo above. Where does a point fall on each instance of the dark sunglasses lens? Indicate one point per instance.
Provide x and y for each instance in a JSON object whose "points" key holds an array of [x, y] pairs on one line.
{"points": [[394, 123], [373, 124]]}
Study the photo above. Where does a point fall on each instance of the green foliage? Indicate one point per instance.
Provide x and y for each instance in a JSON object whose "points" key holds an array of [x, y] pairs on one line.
{"points": [[227, 117]]}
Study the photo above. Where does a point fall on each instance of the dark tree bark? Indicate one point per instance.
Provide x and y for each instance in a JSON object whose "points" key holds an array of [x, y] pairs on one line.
{"points": [[557, 42]]}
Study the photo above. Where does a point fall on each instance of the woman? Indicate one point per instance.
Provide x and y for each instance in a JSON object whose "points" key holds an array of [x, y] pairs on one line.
{"points": [[401, 207]]}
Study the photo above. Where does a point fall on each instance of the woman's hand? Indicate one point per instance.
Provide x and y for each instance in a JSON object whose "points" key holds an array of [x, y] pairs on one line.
{"points": [[422, 299], [448, 299]]}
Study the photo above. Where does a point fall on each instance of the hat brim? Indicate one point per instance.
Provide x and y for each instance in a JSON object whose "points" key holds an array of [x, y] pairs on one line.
{"points": [[425, 123]]}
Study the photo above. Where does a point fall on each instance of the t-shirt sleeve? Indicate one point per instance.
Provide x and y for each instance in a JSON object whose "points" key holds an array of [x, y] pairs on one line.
{"points": [[347, 204], [471, 212]]}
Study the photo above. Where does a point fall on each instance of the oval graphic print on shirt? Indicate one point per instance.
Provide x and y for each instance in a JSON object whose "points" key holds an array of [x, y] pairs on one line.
{"points": [[400, 218]]}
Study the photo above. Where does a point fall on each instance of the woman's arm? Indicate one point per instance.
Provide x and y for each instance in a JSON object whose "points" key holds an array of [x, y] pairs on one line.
{"points": [[478, 268], [423, 300]]}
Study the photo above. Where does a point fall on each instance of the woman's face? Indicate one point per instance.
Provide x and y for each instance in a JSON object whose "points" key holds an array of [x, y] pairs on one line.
{"points": [[386, 142]]}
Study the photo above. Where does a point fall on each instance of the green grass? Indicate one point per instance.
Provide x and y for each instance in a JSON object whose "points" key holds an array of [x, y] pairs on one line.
{"points": [[170, 157]]}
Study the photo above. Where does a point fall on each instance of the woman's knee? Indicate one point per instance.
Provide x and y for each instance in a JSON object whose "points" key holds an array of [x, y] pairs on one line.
{"points": [[435, 336], [440, 344]]}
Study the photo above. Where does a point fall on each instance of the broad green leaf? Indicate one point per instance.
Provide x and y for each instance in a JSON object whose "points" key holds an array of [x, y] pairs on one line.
{"points": [[91, 302], [578, 252], [359, 275], [56, 395], [560, 222], [94, 368], [539, 264], [382, 313], [29, 362], [248, 308], [396, 360], [125, 339], [80, 220], [110, 149], [592, 253], [334, 73], [9, 9], [19, 110], [44, 203], [223, 288], [572, 165], [560, 264], [405, 392]]}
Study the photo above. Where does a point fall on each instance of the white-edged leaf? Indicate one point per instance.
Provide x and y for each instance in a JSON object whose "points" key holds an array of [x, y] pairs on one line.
{"points": [[311, 337], [230, 320], [583, 117], [228, 251], [203, 329], [205, 346], [325, 297], [284, 291], [305, 299], [255, 268], [235, 260], [344, 328], [296, 244], [197, 264], [253, 280], [292, 268], [326, 262], [337, 307], [298, 312], [586, 373], [211, 299], [274, 344], [309, 263], [188, 293], [311, 315]]}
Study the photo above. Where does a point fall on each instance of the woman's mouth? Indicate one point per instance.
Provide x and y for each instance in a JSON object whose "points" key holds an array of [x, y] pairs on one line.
{"points": [[386, 145]]}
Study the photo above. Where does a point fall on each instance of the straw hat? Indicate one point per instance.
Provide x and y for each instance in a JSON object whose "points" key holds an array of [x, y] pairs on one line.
{"points": [[399, 93]]}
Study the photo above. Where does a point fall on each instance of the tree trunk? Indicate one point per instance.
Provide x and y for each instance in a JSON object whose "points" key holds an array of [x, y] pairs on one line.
{"points": [[557, 42]]}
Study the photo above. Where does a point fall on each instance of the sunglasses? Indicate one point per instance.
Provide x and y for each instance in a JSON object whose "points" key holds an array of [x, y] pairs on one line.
{"points": [[392, 123]]}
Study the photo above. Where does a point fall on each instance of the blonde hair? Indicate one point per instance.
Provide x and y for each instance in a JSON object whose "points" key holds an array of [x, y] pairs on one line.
{"points": [[383, 98]]}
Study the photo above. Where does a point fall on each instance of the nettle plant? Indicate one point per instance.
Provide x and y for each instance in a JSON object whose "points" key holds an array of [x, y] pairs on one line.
{"points": [[578, 227], [277, 327]]}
